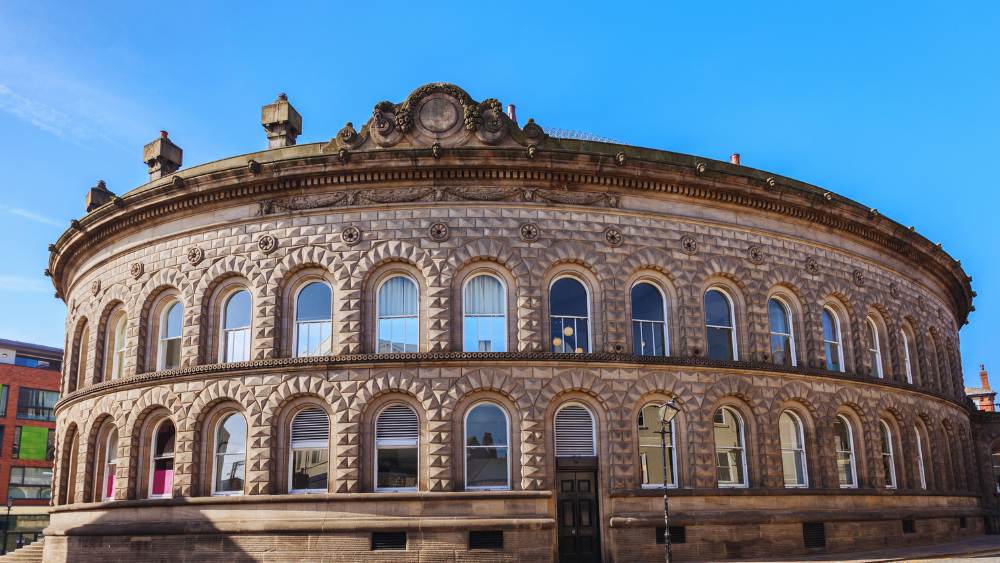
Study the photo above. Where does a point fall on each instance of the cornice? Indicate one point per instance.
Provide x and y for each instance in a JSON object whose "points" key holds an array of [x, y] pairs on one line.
{"points": [[478, 360]]}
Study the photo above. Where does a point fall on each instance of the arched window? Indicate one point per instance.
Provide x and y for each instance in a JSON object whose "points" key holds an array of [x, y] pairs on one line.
{"points": [[874, 347], [82, 357], [843, 444], [832, 346], [236, 328], [720, 325], [907, 366], [398, 318], [309, 452], [575, 431], [230, 455], [995, 459], [793, 450], [649, 321], [169, 349], [114, 362], [313, 320], [110, 465], [161, 465], [487, 463], [484, 321], [651, 463], [569, 316], [920, 460], [782, 340], [397, 443], [730, 455], [888, 460]]}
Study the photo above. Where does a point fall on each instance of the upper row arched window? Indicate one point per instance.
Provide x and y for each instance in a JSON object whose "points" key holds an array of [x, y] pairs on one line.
{"points": [[832, 343], [236, 327], [570, 316], [313, 320], [874, 347], [115, 345], [484, 320], [720, 325], [398, 316], [779, 318], [649, 321], [169, 349]]}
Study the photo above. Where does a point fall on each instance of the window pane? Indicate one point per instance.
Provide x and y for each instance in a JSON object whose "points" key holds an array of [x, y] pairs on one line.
{"points": [[310, 468], [832, 357], [647, 303], [568, 298], [231, 436], [789, 429], [171, 353], [720, 344], [398, 324], [238, 310], [229, 472], [650, 447], [31, 443], [484, 295], [781, 349], [314, 303], [728, 433], [397, 297], [778, 317], [829, 326], [717, 311], [36, 404], [791, 463], [484, 322], [397, 468], [172, 321], [486, 467], [486, 426], [314, 338], [164, 440]]}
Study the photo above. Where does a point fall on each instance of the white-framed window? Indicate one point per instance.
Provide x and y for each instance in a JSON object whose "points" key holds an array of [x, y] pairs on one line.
{"points": [[649, 321], [832, 342], [920, 460], [230, 455], [730, 448], [779, 318], [907, 367], [116, 344], [398, 316], [309, 451], [569, 316], [161, 460], [83, 355], [484, 314], [843, 445], [575, 431], [487, 459], [651, 464], [397, 446], [720, 325], [793, 450], [888, 459], [313, 320], [874, 347], [110, 465], [236, 327], [169, 347]]}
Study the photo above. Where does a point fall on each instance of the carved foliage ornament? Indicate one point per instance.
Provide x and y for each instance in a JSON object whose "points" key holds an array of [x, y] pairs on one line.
{"points": [[689, 245], [351, 235], [267, 244], [195, 255]]}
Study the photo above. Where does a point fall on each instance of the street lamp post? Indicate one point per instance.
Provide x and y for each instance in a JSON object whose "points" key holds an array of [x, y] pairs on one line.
{"points": [[667, 413], [6, 526]]}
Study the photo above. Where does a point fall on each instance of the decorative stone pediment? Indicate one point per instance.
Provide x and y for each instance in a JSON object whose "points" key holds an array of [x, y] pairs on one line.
{"points": [[436, 116]]}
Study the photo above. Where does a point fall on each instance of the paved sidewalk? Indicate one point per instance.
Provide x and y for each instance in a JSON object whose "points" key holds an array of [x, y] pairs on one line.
{"points": [[978, 550]]}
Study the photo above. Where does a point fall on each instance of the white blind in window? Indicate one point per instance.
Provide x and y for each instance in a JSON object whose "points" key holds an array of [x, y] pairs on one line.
{"points": [[574, 432], [397, 422], [310, 425]]}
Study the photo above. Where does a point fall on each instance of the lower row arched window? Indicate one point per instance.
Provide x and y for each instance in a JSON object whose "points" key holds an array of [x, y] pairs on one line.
{"points": [[843, 445], [230, 459], [161, 467], [888, 457], [487, 460], [110, 468], [657, 456], [309, 452], [397, 443], [793, 450], [730, 449]]}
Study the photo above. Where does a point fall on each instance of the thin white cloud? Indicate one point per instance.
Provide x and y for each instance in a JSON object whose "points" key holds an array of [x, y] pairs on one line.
{"points": [[23, 284], [36, 113], [32, 216]]}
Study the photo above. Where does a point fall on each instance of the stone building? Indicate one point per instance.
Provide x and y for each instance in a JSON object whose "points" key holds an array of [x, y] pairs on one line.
{"points": [[446, 335]]}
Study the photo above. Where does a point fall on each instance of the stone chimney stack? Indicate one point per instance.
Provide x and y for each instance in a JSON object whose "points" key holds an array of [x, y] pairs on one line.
{"points": [[98, 196], [512, 113], [162, 157], [282, 123], [984, 378]]}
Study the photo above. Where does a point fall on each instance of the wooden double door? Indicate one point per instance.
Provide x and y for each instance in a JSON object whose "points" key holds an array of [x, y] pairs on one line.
{"points": [[579, 518]]}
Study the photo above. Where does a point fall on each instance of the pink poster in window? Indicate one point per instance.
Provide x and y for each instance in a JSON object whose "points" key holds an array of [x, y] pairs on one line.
{"points": [[163, 481], [109, 486]]}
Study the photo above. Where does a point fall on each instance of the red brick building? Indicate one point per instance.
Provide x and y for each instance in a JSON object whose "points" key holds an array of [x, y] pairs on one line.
{"points": [[983, 396], [29, 388]]}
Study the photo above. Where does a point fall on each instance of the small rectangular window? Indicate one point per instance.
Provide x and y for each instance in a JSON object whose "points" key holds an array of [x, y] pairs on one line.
{"points": [[36, 404], [909, 527], [814, 535], [34, 443], [485, 539], [963, 522], [3, 399], [30, 483], [678, 534], [388, 540]]}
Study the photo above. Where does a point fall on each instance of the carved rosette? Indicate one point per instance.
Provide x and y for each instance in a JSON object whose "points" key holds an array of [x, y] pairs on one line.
{"points": [[529, 232], [95, 287], [755, 254], [614, 237], [195, 254], [894, 290], [267, 244], [136, 270], [859, 278], [351, 235], [689, 245], [438, 232], [812, 266]]}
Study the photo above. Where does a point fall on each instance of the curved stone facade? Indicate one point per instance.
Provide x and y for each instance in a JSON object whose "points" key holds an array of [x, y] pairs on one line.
{"points": [[440, 188]]}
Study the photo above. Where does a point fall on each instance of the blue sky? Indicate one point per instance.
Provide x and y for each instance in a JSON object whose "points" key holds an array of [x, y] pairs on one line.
{"points": [[891, 104]]}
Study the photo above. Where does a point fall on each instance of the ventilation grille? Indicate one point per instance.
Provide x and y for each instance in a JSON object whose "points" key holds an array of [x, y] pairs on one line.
{"points": [[311, 424], [486, 539], [678, 534], [574, 432], [909, 527], [814, 535], [397, 422], [388, 540]]}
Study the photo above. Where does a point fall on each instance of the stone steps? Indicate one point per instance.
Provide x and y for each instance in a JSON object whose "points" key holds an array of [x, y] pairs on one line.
{"points": [[31, 553]]}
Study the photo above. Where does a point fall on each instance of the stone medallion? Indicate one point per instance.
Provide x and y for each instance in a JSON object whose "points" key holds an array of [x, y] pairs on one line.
{"points": [[136, 270], [351, 235], [267, 244], [439, 114], [438, 232], [613, 237], [529, 232], [195, 254], [689, 245]]}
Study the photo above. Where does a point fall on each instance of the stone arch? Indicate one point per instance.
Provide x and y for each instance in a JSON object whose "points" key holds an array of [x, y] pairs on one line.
{"points": [[487, 379], [116, 296], [283, 276], [67, 474], [163, 280], [78, 365], [200, 316], [575, 252]]}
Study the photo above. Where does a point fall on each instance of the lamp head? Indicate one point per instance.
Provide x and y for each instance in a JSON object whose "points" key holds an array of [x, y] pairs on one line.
{"points": [[668, 411]]}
